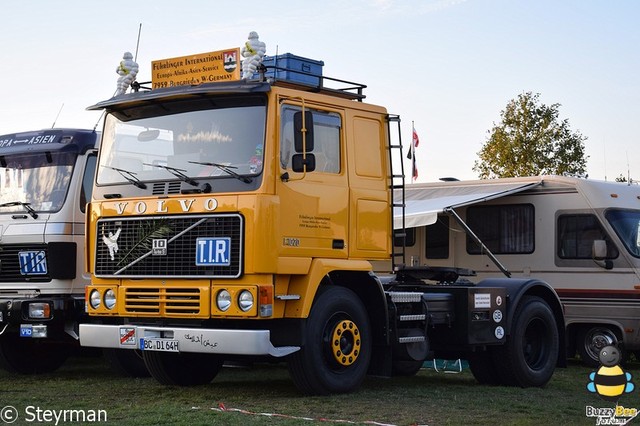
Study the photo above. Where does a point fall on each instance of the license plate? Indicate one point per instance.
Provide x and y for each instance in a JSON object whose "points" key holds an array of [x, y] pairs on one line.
{"points": [[160, 345]]}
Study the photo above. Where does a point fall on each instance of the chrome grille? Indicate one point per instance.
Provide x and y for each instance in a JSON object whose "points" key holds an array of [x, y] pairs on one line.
{"points": [[137, 254]]}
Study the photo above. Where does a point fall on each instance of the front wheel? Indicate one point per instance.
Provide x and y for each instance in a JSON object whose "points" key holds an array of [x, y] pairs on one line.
{"points": [[31, 356], [182, 369], [530, 354], [337, 350], [126, 362]]}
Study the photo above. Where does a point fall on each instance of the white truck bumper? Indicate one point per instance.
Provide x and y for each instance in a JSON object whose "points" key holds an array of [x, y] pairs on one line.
{"points": [[171, 339]]}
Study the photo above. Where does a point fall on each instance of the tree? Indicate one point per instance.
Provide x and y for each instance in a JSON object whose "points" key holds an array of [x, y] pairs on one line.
{"points": [[531, 141]]}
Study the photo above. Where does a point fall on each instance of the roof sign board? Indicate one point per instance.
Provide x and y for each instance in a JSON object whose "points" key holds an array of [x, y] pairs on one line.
{"points": [[36, 139], [222, 65]]}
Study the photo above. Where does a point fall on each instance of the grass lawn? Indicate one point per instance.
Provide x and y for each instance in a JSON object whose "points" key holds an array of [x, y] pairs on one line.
{"points": [[430, 397]]}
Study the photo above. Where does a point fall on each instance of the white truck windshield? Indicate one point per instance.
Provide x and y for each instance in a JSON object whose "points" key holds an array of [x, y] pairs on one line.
{"points": [[37, 182]]}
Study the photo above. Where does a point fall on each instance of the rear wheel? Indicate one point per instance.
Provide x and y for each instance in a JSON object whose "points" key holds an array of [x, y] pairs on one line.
{"points": [[590, 342], [336, 355], [31, 356], [484, 368], [182, 369], [126, 362], [530, 354]]}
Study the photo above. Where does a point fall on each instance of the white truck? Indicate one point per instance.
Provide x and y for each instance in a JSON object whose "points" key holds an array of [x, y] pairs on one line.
{"points": [[46, 179], [581, 236]]}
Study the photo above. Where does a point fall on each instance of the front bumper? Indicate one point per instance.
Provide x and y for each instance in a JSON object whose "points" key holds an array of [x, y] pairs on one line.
{"points": [[211, 341], [63, 314]]}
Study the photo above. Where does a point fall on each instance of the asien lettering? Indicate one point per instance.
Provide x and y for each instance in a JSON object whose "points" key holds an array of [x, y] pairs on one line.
{"points": [[184, 205]]}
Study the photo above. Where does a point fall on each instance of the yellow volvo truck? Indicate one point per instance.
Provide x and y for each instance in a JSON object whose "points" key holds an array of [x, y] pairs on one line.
{"points": [[240, 218]]}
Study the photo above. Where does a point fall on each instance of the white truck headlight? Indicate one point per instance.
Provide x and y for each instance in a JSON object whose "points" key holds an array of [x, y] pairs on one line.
{"points": [[39, 310]]}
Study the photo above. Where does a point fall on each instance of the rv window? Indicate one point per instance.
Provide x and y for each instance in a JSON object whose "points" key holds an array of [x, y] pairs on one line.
{"points": [[437, 240], [576, 233], [504, 229], [410, 240], [626, 223]]}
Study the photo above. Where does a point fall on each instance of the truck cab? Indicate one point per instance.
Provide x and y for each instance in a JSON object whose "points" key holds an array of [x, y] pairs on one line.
{"points": [[46, 180]]}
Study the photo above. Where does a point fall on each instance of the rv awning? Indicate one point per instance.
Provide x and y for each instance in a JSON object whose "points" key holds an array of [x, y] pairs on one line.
{"points": [[424, 203]]}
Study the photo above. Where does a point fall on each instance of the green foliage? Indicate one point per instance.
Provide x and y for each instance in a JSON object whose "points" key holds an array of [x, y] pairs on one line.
{"points": [[531, 141], [148, 231]]}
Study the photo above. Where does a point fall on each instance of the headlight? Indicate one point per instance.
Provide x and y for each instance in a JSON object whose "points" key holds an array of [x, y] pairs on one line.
{"points": [[94, 299], [109, 299], [39, 310], [223, 300], [245, 300]]}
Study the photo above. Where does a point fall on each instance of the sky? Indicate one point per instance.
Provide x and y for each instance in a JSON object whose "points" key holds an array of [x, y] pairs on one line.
{"points": [[447, 67]]}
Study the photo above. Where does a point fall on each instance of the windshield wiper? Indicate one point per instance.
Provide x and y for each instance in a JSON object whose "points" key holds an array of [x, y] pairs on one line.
{"points": [[129, 176], [26, 206], [226, 169], [176, 172]]}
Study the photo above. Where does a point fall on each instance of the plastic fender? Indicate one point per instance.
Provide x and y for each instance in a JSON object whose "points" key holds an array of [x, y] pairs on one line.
{"points": [[517, 287], [307, 285]]}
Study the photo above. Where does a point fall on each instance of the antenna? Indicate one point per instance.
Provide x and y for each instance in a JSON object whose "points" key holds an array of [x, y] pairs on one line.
{"points": [[138, 43], [59, 111]]}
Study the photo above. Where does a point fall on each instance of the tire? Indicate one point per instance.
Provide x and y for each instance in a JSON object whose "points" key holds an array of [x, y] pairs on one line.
{"points": [[530, 355], [406, 368], [484, 368], [126, 362], [337, 350], [31, 356], [182, 369], [591, 340]]}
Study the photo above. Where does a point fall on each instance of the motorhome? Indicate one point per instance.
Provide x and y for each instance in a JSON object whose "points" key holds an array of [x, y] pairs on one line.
{"points": [[582, 236]]}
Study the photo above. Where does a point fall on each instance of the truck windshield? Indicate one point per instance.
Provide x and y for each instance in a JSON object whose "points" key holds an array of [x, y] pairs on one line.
{"points": [[195, 140], [39, 181], [626, 223]]}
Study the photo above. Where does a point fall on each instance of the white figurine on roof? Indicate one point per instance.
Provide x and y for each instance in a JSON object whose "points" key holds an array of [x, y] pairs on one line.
{"points": [[252, 52], [127, 70]]}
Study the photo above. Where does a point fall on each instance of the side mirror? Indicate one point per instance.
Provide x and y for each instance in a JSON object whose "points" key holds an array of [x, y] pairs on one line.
{"points": [[300, 164], [599, 249], [298, 134]]}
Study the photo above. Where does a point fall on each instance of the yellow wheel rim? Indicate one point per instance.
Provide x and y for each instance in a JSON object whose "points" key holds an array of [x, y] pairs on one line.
{"points": [[345, 342]]}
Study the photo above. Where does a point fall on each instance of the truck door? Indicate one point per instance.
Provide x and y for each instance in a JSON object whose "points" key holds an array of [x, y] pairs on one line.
{"points": [[318, 224]]}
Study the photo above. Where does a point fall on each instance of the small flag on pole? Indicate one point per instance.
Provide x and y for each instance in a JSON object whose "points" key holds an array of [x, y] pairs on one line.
{"points": [[412, 153]]}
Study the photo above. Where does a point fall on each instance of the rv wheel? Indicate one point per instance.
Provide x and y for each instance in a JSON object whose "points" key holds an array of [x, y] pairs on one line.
{"points": [[590, 342]]}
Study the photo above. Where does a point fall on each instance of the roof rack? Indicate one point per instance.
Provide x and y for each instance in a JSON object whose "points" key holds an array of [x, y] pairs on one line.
{"points": [[346, 89]]}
